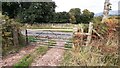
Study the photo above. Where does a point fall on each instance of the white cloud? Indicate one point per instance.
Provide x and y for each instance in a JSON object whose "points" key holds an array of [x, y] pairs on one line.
{"points": [[92, 5]]}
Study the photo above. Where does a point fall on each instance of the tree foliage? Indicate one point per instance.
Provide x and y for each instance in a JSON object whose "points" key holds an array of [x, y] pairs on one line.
{"points": [[61, 17], [87, 16], [27, 12], [10, 9], [74, 15], [44, 12]]}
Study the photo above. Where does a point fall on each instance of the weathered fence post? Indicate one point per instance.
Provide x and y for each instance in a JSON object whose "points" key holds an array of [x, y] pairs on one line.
{"points": [[82, 31], [90, 33], [75, 29]]}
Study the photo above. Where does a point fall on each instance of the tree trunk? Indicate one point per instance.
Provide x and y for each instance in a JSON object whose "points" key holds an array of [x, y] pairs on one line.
{"points": [[15, 36], [0, 41]]}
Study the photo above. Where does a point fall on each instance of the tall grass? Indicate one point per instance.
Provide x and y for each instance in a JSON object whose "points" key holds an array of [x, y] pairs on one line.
{"points": [[96, 56], [100, 52]]}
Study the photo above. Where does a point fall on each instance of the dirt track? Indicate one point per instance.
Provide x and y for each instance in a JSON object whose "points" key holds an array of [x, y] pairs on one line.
{"points": [[52, 57], [12, 59]]}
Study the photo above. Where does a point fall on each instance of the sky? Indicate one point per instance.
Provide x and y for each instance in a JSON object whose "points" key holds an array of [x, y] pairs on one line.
{"points": [[95, 6]]}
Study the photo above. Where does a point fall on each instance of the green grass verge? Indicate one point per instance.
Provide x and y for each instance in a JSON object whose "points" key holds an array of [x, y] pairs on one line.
{"points": [[48, 26], [68, 45], [51, 43], [28, 59], [41, 50], [56, 30], [25, 61], [31, 39]]}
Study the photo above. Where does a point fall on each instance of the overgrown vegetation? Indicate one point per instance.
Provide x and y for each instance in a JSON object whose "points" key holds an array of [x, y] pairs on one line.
{"points": [[96, 56], [11, 36], [100, 52], [92, 58], [31, 39]]}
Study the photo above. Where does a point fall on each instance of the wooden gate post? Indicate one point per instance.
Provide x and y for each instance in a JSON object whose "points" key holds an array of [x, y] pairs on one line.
{"points": [[26, 37], [26, 34], [90, 33], [82, 31]]}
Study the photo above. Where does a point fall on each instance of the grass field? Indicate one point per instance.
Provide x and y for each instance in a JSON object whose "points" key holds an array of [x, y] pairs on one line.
{"points": [[56, 30]]}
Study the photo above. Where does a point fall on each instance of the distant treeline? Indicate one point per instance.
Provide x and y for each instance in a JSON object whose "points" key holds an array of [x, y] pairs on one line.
{"points": [[44, 12]]}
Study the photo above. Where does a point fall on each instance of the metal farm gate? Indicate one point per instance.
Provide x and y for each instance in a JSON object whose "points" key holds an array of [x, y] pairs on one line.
{"points": [[49, 37]]}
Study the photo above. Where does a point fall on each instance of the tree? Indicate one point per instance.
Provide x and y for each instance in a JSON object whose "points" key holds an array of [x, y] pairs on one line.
{"points": [[61, 17], [27, 12], [75, 15], [10, 9], [11, 35], [13, 9], [87, 16], [38, 12]]}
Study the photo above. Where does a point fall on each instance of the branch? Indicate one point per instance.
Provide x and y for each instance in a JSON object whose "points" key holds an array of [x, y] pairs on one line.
{"points": [[98, 34]]}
